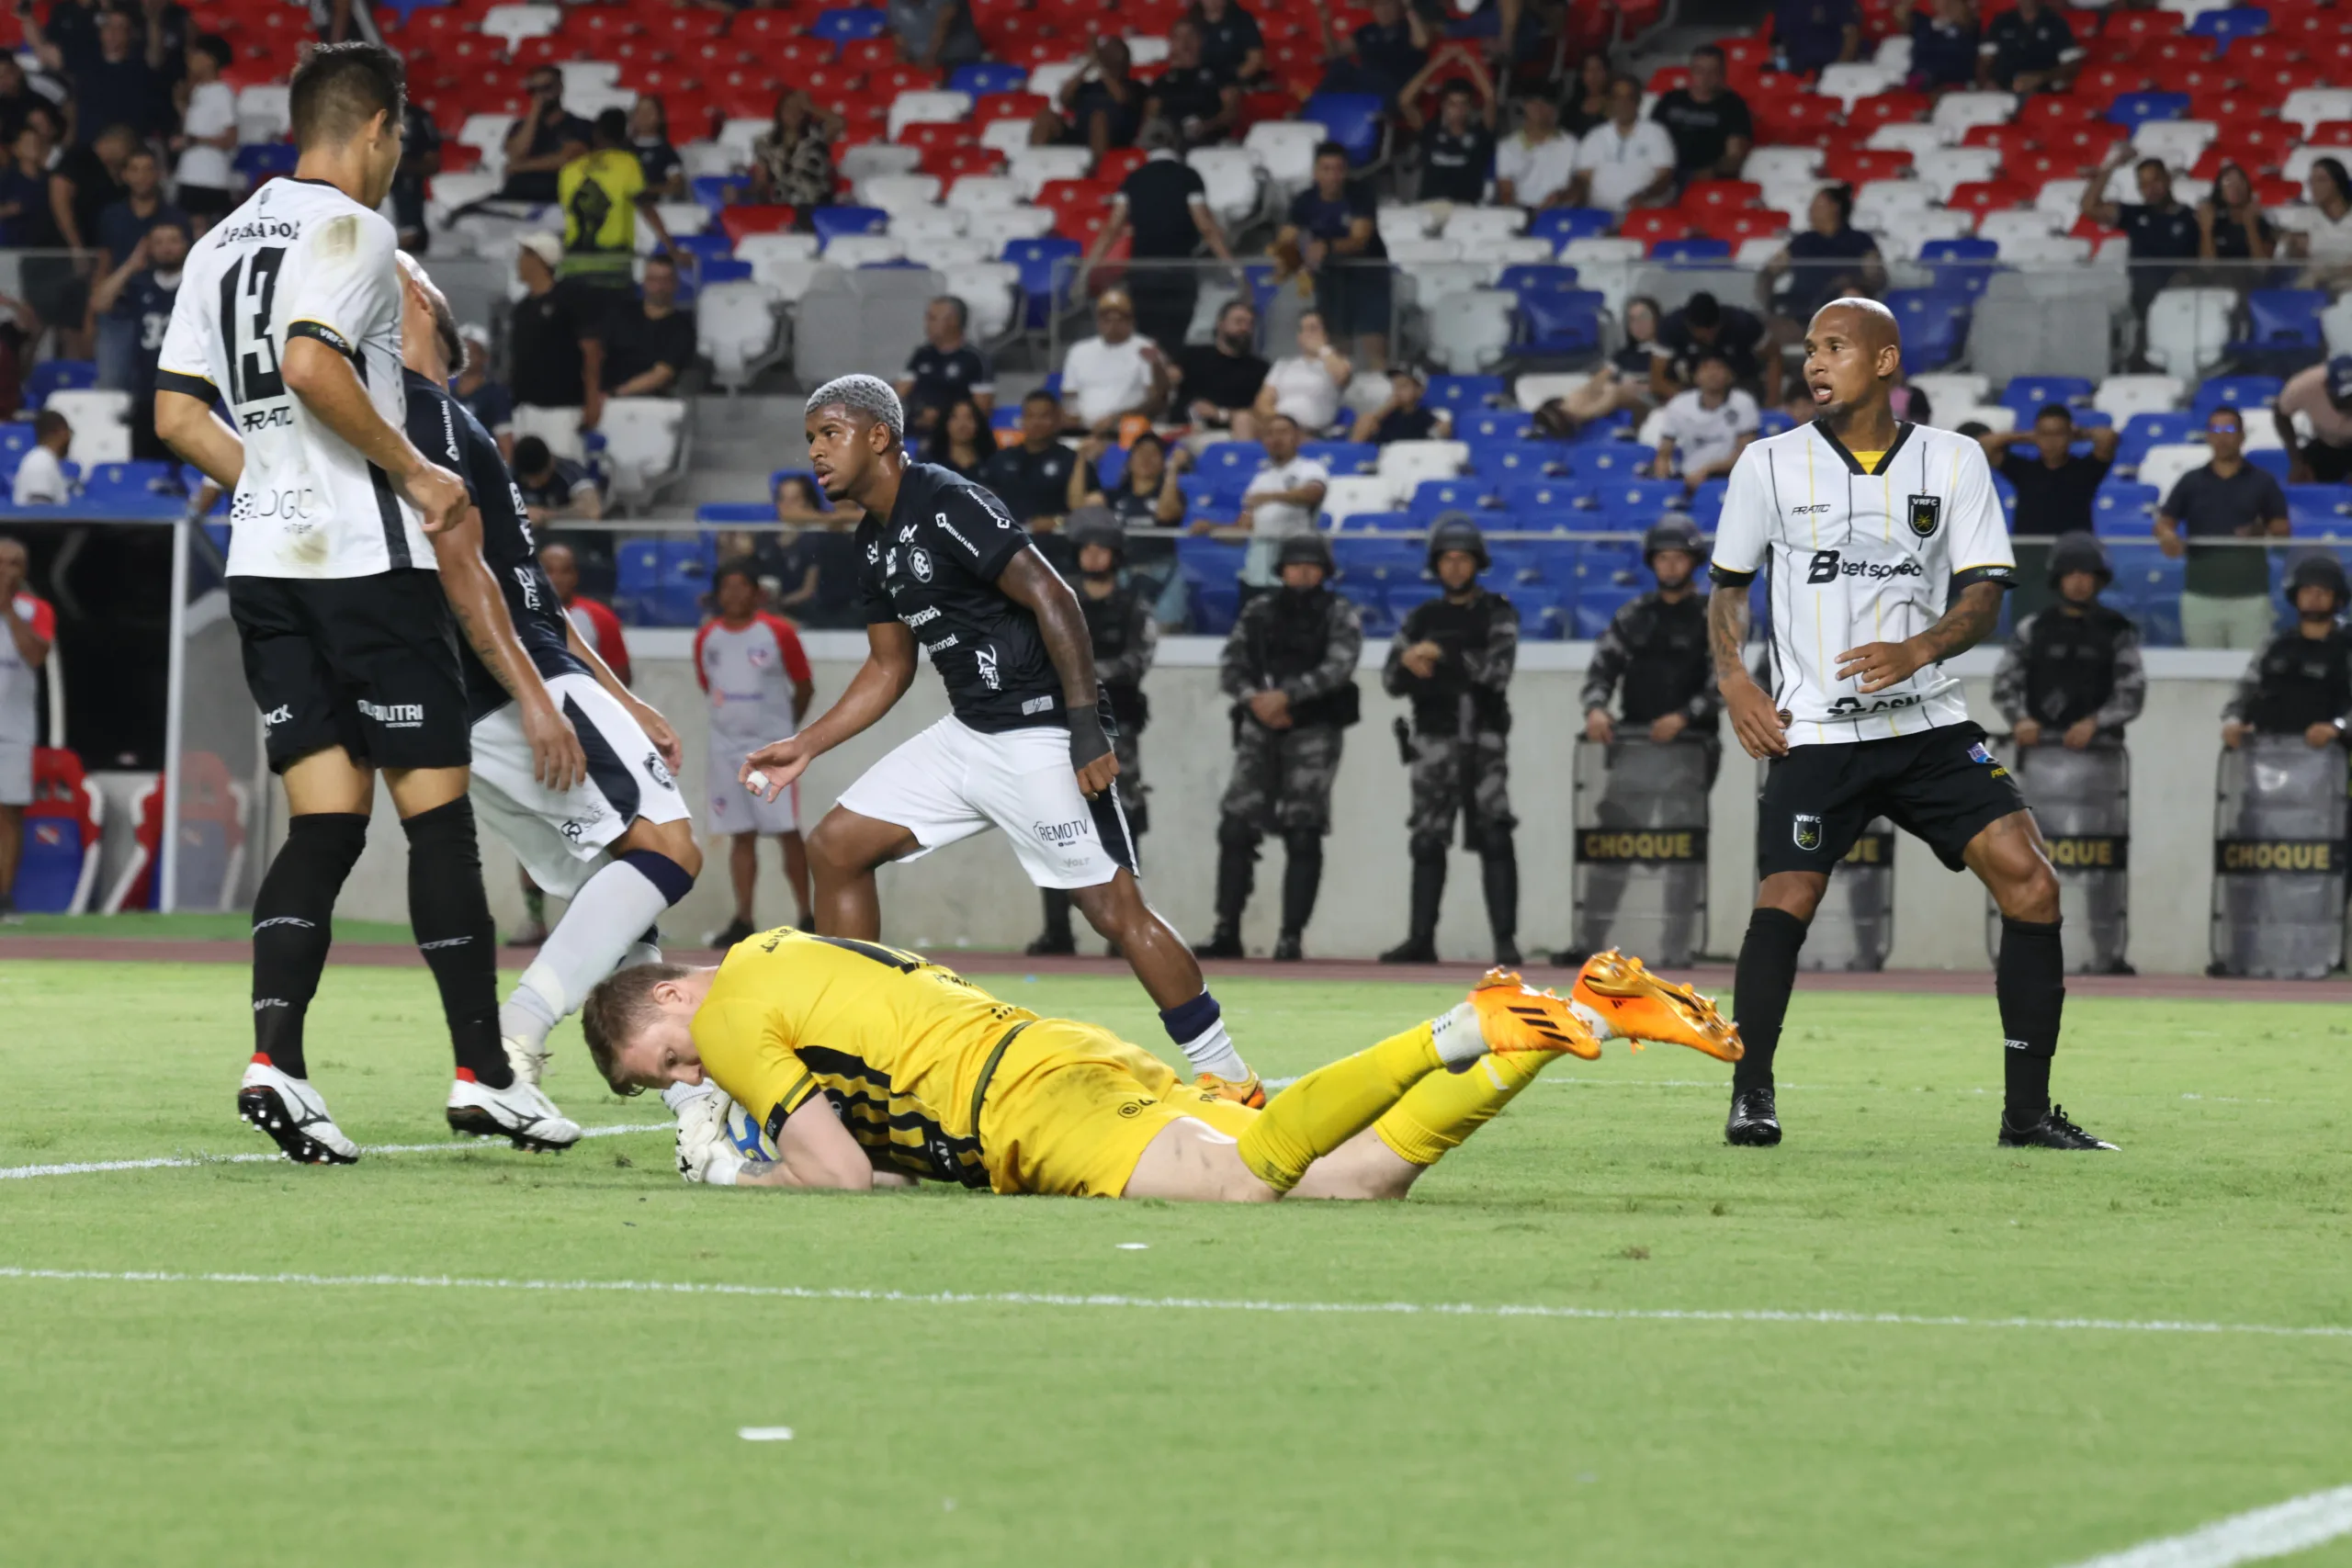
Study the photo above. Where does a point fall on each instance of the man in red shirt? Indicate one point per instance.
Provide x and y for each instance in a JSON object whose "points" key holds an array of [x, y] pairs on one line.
{"points": [[752, 665], [28, 626], [600, 630]]}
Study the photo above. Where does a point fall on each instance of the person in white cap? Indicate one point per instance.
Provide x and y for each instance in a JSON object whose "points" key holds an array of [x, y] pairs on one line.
{"points": [[556, 346]]}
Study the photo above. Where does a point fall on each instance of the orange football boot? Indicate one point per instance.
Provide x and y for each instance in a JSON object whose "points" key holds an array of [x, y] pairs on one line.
{"points": [[1637, 1005], [1514, 1017], [1246, 1091]]}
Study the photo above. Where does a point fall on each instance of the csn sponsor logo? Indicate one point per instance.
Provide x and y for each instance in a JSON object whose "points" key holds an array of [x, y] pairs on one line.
{"points": [[394, 715], [1827, 566], [1854, 707], [1064, 834]]}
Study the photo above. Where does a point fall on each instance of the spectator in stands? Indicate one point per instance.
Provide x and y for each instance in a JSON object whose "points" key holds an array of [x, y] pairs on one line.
{"points": [[139, 294], [1147, 495], [1707, 121], [2055, 487], [799, 504], [420, 161], [121, 226], [597, 625], [1703, 431], [2326, 239], [2029, 49], [1814, 33], [1705, 322], [1587, 103], [1404, 417], [40, 472], [1945, 47], [1101, 106], [1282, 499], [1198, 103], [83, 183], [1231, 40], [1458, 147], [602, 194], [1332, 229], [21, 329], [1382, 55], [1626, 162], [555, 340], [488, 398], [934, 34], [122, 83], [1031, 477], [657, 159], [1623, 383], [2226, 589], [17, 97], [2291, 687], [554, 488], [2231, 227], [793, 162], [1219, 381], [24, 191], [1534, 165], [539, 144], [650, 340], [1305, 388], [821, 564], [961, 439], [27, 627], [2160, 229], [205, 185], [1115, 374], [1831, 260], [2322, 394], [1162, 208], [946, 369]]}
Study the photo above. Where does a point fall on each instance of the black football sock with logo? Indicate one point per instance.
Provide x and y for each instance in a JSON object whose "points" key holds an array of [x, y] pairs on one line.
{"points": [[1760, 987], [2029, 982], [451, 915], [294, 926]]}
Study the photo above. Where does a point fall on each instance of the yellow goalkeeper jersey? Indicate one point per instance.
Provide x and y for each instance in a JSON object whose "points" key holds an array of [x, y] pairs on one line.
{"points": [[903, 1048]]}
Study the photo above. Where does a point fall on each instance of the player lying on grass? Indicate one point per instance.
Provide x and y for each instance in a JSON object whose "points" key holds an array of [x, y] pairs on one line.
{"points": [[867, 1067]]}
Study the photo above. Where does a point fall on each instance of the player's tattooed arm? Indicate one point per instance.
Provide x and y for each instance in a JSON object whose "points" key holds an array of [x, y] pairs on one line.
{"points": [[1759, 726], [1965, 622], [1061, 626]]}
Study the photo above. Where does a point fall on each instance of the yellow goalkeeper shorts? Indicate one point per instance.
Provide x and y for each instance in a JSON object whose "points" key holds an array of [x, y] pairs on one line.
{"points": [[1073, 1106]]}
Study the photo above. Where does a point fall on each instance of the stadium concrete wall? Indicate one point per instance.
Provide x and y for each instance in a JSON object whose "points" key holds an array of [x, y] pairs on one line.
{"points": [[973, 894]]}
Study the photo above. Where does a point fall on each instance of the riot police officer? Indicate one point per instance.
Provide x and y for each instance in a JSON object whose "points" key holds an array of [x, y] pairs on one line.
{"points": [[2300, 681], [1125, 637], [2071, 673], [1453, 658], [1290, 667]]}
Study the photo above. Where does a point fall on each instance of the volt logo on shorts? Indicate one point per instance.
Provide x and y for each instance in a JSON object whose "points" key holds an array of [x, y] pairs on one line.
{"points": [[394, 715], [1076, 831]]}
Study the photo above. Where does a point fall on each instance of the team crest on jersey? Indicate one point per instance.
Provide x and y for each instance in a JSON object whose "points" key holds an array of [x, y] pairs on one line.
{"points": [[1926, 513], [659, 770], [1806, 831], [919, 562]]}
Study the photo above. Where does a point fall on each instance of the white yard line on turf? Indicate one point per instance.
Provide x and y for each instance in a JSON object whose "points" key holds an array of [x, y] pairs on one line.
{"points": [[1182, 1303], [2296, 1525], [17, 1172]]}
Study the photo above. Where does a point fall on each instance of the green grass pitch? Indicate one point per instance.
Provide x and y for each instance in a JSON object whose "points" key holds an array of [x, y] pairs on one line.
{"points": [[176, 1422]]}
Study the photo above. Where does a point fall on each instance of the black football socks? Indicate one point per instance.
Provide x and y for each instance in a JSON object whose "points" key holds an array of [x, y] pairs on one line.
{"points": [[451, 915], [1760, 987], [2029, 982], [294, 926]]}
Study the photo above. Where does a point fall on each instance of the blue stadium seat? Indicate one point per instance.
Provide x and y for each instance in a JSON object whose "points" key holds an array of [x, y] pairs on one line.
{"points": [[2030, 394], [2283, 320], [1537, 277], [1354, 120], [139, 488], [1045, 264], [1935, 325], [1691, 251], [1457, 394], [1541, 616], [1509, 458], [59, 375], [2147, 587], [1961, 266], [727, 269], [16, 440], [1494, 425], [715, 191], [1773, 422], [985, 76], [1004, 416], [1597, 605], [2131, 110], [1561, 224], [1262, 280], [2119, 506], [703, 249], [831, 222], [1229, 466], [736, 514], [1204, 500], [1612, 459], [1541, 503], [1706, 507], [2271, 460], [2319, 512], [2166, 427], [1636, 503], [1610, 562], [259, 160], [1364, 559], [1342, 458], [1433, 496], [1561, 323], [2244, 393], [1206, 561], [2238, 22], [1511, 563], [1111, 467], [844, 25], [1556, 561], [1374, 523]]}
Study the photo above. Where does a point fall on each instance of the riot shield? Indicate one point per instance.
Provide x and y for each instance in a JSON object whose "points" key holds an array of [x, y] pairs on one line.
{"points": [[1641, 855], [1854, 926], [2278, 859], [2081, 801]]}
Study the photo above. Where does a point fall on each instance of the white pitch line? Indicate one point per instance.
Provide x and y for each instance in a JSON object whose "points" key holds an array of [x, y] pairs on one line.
{"points": [[1183, 1304], [20, 1172], [2296, 1525]]}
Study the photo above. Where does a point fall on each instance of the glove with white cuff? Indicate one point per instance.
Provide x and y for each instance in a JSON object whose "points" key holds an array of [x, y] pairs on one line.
{"points": [[706, 1152]]}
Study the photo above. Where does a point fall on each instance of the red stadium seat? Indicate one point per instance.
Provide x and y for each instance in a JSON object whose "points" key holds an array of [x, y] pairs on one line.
{"points": [[1886, 108], [2250, 53], [892, 80], [1652, 224], [950, 163], [597, 22], [1735, 225], [1668, 78], [739, 221], [2138, 25], [2167, 54], [796, 54], [1257, 108], [460, 157], [2048, 111], [2040, 165], [2260, 145], [2088, 145], [2331, 133], [2284, 77], [2006, 140], [1859, 165], [1719, 196], [2098, 85], [2090, 229], [870, 54], [682, 25], [1117, 164], [937, 133], [744, 100], [764, 28], [2220, 76], [1006, 106], [1799, 118], [2271, 190], [2232, 104], [832, 85], [1988, 196], [1745, 57]]}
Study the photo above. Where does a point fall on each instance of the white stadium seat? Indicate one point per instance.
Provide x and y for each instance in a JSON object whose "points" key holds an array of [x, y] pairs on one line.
{"points": [[1285, 149], [756, 248], [1349, 494], [1006, 136], [1534, 391], [487, 131], [1046, 81], [857, 250], [678, 218], [1513, 250], [1035, 167], [1002, 223], [2309, 106], [1768, 165], [991, 290], [513, 24], [1895, 53], [101, 422], [899, 193], [1998, 417], [1957, 113], [1601, 248], [789, 278], [1859, 79], [920, 105], [705, 156], [264, 112], [1475, 226], [2177, 141], [2120, 397], [2060, 199], [873, 160], [1148, 49], [2163, 465], [2004, 227], [1415, 253], [1407, 463], [453, 191], [2336, 325], [644, 436], [1948, 168], [2188, 328], [981, 193], [1399, 222], [1905, 136], [1434, 281], [2045, 250], [735, 324], [1759, 249], [1954, 389], [738, 134], [924, 227], [1232, 178]]}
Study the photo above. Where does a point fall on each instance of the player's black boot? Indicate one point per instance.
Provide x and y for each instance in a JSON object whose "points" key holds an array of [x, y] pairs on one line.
{"points": [[1755, 1121], [2054, 1131]]}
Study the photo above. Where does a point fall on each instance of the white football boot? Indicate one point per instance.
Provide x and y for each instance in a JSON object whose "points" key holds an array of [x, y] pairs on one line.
{"points": [[518, 1114], [293, 1113]]}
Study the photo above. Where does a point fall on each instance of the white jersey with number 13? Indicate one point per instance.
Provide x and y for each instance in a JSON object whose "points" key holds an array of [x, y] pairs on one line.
{"points": [[298, 259]]}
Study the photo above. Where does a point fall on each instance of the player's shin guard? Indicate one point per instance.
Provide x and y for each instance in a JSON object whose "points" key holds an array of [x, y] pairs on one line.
{"points": [[451, 915], [2029, 982], [1443, 1109], [595, 937], [1760, 987], [1332, 1104], [294, 926]]}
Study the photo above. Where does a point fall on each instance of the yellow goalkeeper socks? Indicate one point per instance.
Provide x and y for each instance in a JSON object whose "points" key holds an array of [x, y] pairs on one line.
{"points": [[1332, 1104], [1442, 1109]]}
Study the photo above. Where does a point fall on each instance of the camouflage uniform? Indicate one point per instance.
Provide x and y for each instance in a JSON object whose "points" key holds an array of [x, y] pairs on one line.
{"points": [[1457, 747], [1125, 637], [1305, 645]]}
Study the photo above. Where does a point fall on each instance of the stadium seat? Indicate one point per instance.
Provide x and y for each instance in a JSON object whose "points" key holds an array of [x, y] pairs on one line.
{"points": [[58, 863], [1352, 119], [1346, 498], [1935, 325], [735, 513], [1229, 465], [1611, 460], [1562, 224], [1458, 394], [1431, 496], [1565, 323], [644, 440], [1493, 424], [2283, 320], [101, 421], [1500, 460], [735, 325], [134, 489], [2161, 467], [2122, 507], [1405, 463], [2125, 396], [2246, 393], [56, 376], [844, 25], [2030, 394], [2145, 432], [1634, 502], [1341, 457], [1471, 330]]}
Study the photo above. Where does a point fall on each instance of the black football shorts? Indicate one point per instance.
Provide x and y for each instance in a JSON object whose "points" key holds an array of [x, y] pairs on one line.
{"points": [[366, 663], [1944, 787]]}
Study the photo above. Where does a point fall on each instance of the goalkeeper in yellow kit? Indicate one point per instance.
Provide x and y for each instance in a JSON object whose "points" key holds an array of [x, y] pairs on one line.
{"points": [[870, 1066]]}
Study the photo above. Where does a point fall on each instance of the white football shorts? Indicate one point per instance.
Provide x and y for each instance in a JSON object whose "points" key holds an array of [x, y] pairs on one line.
{"points": [[951, 782], [733, 808], [559, 835], [16, 772]]}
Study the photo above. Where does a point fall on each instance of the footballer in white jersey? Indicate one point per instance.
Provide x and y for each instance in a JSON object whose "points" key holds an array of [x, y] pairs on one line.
{"points": [[1884, 554]]}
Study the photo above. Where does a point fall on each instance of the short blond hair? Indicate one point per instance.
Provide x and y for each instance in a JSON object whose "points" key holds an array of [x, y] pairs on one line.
{"points": [[620, 1005]]}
